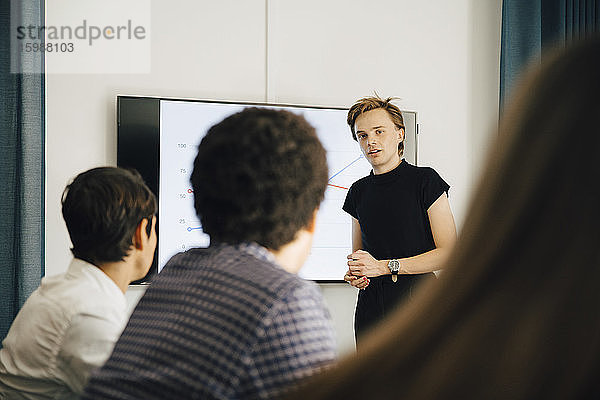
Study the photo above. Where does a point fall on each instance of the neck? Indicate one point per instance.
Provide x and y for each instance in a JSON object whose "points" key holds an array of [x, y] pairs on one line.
{"points": [[291, 256], [118, 272], [378, 170]]}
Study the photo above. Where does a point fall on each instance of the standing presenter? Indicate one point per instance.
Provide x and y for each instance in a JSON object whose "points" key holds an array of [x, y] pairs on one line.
{"points": [[402, 225]]}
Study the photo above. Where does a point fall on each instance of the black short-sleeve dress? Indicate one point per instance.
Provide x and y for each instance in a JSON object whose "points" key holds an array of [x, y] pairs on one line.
{"points": [[391, 209]]}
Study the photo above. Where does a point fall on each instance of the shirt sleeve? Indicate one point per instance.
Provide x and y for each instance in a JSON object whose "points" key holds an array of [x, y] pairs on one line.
{"points": [[349, 204], [295, 341], [432, 187], [87, 345]]}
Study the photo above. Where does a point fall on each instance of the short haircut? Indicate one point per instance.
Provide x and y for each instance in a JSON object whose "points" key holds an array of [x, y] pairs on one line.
{"points": [[102, 208], [373, 103], [258, 177]]}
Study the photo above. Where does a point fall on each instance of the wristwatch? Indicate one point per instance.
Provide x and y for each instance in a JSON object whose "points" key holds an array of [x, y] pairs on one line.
{"points": [[394, 266]]}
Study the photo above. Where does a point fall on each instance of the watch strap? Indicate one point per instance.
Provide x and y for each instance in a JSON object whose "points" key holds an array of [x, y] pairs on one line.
{"points": [[394, 267]]}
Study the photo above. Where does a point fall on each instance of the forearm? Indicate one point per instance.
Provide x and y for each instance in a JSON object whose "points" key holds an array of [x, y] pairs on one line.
{"points": [[361, 263], [430, 261]]}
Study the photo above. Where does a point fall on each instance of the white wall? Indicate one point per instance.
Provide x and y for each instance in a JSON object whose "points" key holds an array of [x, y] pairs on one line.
{"points": [[440, 57]]}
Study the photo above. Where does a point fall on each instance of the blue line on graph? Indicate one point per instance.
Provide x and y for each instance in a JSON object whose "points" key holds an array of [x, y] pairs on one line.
{"points": [[340, 171], [189, 228]]}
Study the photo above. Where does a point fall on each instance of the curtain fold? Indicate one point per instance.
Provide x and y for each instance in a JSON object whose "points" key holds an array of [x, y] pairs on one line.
{"points": [[528, 27], [22, 167]]}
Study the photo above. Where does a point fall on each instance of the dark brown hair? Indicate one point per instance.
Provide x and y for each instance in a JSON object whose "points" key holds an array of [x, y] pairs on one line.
{"points": [[515, 313], [373, 103], [259, 176], [102, 208]]}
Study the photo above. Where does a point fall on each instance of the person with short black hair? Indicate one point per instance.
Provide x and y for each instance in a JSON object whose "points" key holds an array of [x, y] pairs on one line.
{"points": [[234, 321], [69, 325]]}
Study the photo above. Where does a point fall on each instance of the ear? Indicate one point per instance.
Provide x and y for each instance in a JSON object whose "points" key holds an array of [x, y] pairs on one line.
{"points": [[400, 134], [139, 236], [313, 222]]}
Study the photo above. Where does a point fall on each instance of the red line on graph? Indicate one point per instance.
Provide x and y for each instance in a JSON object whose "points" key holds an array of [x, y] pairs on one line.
{"points": [[339, 187]]}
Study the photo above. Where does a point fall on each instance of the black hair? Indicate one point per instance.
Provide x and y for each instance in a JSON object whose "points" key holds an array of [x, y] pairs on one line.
{"points": [[102, 208]]}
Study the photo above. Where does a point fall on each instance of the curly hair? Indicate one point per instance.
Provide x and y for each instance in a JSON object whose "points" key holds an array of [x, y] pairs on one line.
{"points": [[102, 208], [258, 177], [373, 103]]}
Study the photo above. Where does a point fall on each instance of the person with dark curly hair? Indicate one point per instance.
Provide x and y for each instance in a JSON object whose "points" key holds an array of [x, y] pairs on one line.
{"points": [[69, 325], [234, 321]]}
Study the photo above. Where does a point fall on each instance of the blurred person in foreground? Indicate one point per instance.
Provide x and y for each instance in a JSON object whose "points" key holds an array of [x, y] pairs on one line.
{"points": [[515, 315], [234, 321], [69, 325]]}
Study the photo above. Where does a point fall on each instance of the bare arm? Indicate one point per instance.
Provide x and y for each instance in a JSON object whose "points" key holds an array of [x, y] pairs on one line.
{"points": [[444, 237], [443, 229], [356, 235]]}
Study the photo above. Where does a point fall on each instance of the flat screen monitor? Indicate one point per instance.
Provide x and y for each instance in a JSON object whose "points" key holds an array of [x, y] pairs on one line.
{"points": [[159, 137]]}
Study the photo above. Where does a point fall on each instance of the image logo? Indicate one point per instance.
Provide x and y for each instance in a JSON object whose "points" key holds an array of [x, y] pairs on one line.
{"points": [[82, 36]]}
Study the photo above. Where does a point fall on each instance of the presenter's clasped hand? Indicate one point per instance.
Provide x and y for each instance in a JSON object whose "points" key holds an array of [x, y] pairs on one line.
{"points": [[359, 282], [361, 263]]}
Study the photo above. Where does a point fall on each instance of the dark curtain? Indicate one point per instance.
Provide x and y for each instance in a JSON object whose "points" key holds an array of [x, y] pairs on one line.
{"points": [[21, 160], [530, 26]]}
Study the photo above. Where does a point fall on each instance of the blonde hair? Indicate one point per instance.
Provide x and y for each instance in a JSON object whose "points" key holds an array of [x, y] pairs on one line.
{"points": [[373, 103]]}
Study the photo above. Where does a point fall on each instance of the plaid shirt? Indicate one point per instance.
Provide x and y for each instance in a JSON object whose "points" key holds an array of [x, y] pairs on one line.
{"points": [[220, 323]]}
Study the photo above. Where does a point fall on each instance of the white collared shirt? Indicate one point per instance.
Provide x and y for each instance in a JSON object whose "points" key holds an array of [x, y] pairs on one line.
{"points": [[66, 328]]}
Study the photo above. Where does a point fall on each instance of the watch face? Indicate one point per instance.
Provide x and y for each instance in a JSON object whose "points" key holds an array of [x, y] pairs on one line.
{"points": [[394, 265]]}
